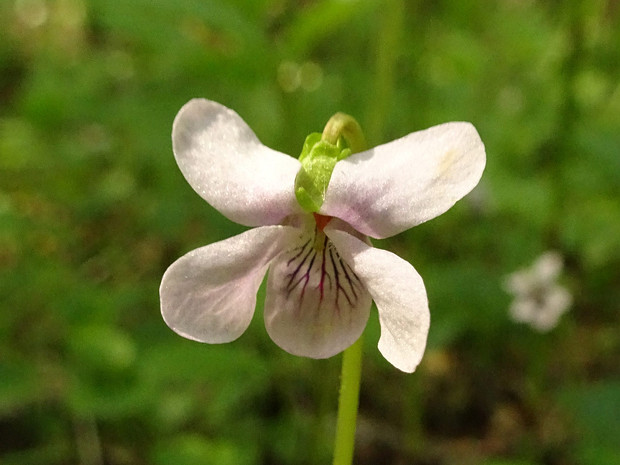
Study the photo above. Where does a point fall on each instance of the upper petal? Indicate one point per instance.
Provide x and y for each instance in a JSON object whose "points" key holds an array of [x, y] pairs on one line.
{"points": [[393, 187], [398, 290], [315, 304], [209, 294], [223, 160]]}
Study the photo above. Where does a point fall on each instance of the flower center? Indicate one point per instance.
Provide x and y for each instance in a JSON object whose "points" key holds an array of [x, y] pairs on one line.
{"points": [[321, 221]]}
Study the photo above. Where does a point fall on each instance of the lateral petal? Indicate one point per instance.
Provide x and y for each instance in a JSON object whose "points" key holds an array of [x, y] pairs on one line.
{"points": [[226, 164], [393, 187], [399, 293], [315, 305], [209, 294]]}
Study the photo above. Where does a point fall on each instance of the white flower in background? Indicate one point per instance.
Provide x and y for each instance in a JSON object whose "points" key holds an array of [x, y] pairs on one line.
{"points": [[539, 300], [323, 271]]}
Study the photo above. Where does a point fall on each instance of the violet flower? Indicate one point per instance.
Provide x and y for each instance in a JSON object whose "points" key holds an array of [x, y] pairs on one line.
{"points": [[323, 270]]}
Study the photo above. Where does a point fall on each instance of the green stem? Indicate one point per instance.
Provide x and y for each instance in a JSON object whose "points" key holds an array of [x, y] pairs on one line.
{"points": [[387, 50], [348, 404]]}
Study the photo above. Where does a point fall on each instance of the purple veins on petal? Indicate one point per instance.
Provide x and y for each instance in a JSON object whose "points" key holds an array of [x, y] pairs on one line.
{"points": [[324, 273], [294, 279], [318, 255], [301, 250], [305, 311], [351, 300]]}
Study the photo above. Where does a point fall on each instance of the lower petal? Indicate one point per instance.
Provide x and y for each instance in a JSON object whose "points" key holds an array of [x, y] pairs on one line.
{"points": [[398, 290], [209, 294], [315, 305]]}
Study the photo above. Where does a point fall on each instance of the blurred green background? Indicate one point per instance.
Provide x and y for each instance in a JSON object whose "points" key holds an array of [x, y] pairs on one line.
{"points": [[93, 209]]}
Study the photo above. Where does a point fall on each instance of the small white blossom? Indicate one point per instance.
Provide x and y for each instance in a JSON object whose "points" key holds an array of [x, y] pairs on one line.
{"points": [[539, 300], [323, 271]]}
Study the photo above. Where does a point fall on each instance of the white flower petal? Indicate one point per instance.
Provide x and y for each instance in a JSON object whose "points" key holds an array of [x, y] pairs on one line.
{"points": [[223, 160], [524, 310], [521, 283], [393, 187], [315, 305], [547, 268], [209, 294], [398, 290]]}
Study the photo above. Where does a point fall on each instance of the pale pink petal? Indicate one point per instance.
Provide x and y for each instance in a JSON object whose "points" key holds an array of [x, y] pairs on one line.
{"points": [[315, 305], [393, 187], [223, 160], [399, 293], [209, 294]]}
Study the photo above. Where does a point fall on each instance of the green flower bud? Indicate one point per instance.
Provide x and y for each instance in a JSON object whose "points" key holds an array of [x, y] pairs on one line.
{"points": [[319, 156], [318, 159]]}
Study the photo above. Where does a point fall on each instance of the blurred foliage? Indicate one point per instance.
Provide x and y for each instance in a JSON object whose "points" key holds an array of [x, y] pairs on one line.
{"points": [[93, 209]]}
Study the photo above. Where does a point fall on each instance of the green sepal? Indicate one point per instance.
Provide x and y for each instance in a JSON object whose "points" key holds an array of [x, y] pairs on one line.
{"points": [[318, 159]]}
